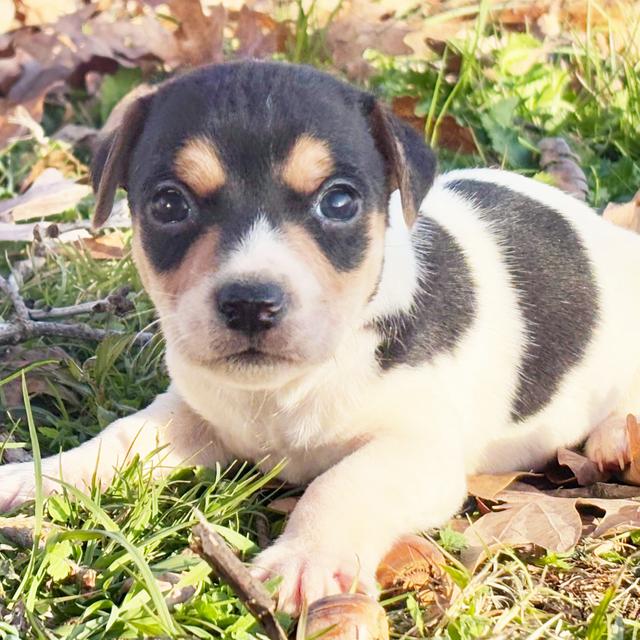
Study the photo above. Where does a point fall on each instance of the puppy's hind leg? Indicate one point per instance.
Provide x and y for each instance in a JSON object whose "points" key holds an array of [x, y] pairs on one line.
{"points": [[608, 445], [167, 426]]}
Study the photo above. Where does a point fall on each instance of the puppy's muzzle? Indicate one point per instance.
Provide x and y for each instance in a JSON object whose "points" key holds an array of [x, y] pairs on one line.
{"points": [[250, 307]]}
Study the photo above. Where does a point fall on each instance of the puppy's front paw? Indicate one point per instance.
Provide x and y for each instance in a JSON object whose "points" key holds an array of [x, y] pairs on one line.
{"points": [[309, 573]]}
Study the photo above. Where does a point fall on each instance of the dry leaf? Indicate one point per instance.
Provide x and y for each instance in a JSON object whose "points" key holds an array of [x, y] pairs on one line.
{"points": [[37, 12], [452, 135], [106, 247], [51, 193], [7, 14], [414, 564], [199, 36], [585, 471], [631, 475], [283, 505], [558, 161], [551, 523], [405, 107], [626, 215], [19, 530], [488, 486], [346, 616], [259, 35]]}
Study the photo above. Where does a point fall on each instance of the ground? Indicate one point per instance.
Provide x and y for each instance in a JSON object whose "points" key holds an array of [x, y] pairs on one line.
{"points": [[108, 560]]}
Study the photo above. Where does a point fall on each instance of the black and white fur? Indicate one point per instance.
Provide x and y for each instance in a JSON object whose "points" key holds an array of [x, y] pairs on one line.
{"points": [[503, 325]]}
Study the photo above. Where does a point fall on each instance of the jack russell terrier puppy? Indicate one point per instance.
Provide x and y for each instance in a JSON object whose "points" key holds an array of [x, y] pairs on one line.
{"points": [[328, 300]]}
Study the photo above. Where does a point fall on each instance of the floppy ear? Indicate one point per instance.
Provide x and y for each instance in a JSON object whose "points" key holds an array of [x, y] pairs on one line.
{"points": [[411, 165], [110, 164]]}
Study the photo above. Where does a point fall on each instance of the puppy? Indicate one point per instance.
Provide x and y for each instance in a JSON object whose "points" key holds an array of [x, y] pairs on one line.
{"points": [[327, 300]]}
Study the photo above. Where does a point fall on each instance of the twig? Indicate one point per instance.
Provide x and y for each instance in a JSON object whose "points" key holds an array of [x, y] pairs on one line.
{"points": [[28, 325], [212, 547], [10, 288], [117, 303]]}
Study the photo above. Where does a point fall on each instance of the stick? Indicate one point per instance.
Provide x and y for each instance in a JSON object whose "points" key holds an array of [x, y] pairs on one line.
{"points": [[208, 544], [26, 326]]}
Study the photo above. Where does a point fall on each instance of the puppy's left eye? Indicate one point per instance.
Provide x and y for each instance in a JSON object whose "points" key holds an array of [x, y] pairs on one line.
{"points": [[169, 206], [340, 203]]}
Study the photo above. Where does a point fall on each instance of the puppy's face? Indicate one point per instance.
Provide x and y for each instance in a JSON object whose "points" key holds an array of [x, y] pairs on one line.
{"points": [[259, 196]]}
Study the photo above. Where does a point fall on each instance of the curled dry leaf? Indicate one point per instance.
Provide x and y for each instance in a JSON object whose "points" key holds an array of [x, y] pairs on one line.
{"points": [[347, 616], [50, 193], [585, 471], [632, 474], [558, 161], [625, 215], [417, 565], [488, 485]]}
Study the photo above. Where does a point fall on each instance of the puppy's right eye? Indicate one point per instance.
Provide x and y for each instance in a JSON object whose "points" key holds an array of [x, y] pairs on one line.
{"points": [[169, 206]]}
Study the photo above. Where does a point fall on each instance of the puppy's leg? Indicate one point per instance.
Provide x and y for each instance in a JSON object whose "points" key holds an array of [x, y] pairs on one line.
{"points": [[608, 445], [167, 422], [351, 515]]}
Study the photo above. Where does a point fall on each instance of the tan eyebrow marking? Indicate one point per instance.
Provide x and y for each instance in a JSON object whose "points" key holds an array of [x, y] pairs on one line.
{"points": [[308, 164], [198, 165]]}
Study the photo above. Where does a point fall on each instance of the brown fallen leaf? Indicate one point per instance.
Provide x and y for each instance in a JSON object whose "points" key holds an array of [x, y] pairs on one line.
{"points": [[488, 486], [631, 475], [454, 136], [283, 505], [405, 107], [585, 471], [19, 530], [110, 246], [199, 36], [50, 193], [626, 215], [619, 515], [259, 35], [355, 31], [529, 516], [48, 380], [347, 616], [417, 565], [561, 164], [551, 523]]}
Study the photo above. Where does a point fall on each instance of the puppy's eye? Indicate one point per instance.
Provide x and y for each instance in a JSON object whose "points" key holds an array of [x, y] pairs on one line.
{"points": [[169, 206], [340, 203]]}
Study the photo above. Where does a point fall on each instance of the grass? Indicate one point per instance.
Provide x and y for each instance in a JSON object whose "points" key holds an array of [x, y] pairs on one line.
{"points": [[108, 558]]}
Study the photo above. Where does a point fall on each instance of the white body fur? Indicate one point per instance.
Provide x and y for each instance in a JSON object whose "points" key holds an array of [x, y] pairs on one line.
{"points": [[389, 452]]}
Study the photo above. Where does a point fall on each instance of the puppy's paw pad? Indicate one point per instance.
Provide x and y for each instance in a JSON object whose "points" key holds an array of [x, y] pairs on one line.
{"points": [[608, 445], [307, 576]]}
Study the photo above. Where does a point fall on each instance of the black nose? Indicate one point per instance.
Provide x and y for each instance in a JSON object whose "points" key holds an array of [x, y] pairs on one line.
{"points": [[250, 307]]}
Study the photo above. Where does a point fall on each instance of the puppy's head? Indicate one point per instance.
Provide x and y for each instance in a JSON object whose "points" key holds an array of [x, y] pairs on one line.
{"points": [[259, 194]]}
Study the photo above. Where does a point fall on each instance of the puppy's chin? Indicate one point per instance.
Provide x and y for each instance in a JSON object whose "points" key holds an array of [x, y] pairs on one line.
{"points": [[241, 364], [250, 369]]}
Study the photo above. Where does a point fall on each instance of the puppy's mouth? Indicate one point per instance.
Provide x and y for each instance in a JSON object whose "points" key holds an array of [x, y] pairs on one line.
{"points": [[253, 356]]}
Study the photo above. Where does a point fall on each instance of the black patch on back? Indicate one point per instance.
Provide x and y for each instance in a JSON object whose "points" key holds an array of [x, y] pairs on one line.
{"points": [[557, 293], [443, 308]]}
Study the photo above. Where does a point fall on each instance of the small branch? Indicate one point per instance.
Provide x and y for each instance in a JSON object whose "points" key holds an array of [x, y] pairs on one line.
{"points": [[28, 322], [117, 303], [10, 288], [16, 333], [211, 546]]}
